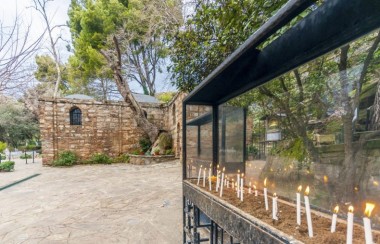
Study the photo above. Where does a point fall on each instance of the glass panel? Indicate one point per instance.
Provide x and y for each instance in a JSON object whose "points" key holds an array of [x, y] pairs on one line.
{"points": [[319, 125], [199, 138]]}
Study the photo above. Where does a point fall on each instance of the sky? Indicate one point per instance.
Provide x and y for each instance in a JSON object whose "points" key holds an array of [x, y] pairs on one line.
{"points": [[57, 12]]}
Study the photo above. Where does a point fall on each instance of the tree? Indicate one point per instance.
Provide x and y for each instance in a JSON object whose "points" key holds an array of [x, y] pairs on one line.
{"points": [[16, 48], [41, 7], [125, 40]]}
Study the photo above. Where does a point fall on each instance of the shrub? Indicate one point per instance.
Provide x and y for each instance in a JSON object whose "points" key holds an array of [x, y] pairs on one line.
{"points": [[124, 158], [166, 96], [66, 158], [136, 152], [165, 141], [7, 166], [100, 158], [3, 146], [169, 152], [3, 157], [25, 156], [156, 151], [145, 144]]}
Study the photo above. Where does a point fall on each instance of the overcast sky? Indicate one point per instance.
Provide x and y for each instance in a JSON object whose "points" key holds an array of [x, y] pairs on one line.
{"points": [[57, 11]]}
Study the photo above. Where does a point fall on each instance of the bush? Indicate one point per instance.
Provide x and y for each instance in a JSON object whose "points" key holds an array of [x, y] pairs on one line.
{"points": [[124, 158], [25, 156], [145, 144], [66, 158], [165, 141], [169, 152], [3, 157], [100, 158], [7, 166]]}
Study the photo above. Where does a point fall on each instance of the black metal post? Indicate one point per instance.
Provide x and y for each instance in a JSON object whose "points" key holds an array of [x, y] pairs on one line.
{"points": [[215, 137], [245, 138], [199, 141], [33, 155], [223, 139]]}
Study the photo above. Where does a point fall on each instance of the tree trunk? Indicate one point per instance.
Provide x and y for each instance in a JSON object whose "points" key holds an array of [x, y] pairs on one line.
{"points": [[375, 120]]}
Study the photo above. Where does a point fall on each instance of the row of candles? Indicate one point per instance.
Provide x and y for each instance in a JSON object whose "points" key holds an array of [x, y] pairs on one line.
{"points": [[221, 181]]}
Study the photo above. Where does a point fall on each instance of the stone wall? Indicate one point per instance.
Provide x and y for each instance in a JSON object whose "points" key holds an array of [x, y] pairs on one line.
{"points": [[107, 127]]}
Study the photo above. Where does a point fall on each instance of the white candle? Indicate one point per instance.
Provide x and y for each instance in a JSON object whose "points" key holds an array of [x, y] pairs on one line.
{"points": [[221, 187], [204, 177], [228, 183], [367, 223], [334, 217], [199, 174], [266, 195], [249, 189], [241, 187], [217, 181], [299, 205], [308, 212], [209, 178], [256, 194], [274, 207], [350, 224], [238, 182]]}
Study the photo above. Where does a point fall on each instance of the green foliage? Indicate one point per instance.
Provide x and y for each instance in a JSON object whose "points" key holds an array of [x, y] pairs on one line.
{"points": [[145, 144], [47, 73], [3, 146], [66, 158], [156, 151], [17, 125], [3, 157], [7, 166], [124, 158], [252, 150], [25, 156], [165, 96], [165, 141], [169, 152], [295, 150], [100, 158]]}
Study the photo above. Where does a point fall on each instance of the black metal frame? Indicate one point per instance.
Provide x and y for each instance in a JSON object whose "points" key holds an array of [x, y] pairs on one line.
{"points": [[333, 24]]}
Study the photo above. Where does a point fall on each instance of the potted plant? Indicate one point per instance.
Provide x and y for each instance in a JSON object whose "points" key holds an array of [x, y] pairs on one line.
{"points": [[156, 151]]}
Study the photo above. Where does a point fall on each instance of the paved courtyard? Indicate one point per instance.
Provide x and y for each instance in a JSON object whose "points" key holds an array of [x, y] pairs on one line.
{"points": [[117, 203]]}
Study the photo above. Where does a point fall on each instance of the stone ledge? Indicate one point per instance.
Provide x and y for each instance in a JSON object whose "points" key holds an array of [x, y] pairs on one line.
{"points": [[146, 160]]}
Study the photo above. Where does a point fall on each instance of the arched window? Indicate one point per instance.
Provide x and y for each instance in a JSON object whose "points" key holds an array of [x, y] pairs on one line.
{"points": [[75, 116]]}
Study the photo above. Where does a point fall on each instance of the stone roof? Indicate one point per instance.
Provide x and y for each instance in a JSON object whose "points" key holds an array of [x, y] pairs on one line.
{"points": [[141, 98], [79, 96]]}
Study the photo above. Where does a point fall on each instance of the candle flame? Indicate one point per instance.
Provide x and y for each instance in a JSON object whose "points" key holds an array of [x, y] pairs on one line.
{"points": [[274, 195], [210, 165], [201, 166], [336, 209], [239, 171], [224, 169], [299, 189], [375, 183], [351, 209], [250, 183], [307, 190], [368, 209], [217, 166], [265, 182], [242, 175], [325, 179], [254, 187]]}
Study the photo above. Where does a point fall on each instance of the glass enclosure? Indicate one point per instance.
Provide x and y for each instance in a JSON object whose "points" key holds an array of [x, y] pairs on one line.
{"points": [[317, 126]]}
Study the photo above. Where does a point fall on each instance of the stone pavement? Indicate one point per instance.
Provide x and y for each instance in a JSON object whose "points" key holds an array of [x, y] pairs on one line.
{"points": [[117, 203]]}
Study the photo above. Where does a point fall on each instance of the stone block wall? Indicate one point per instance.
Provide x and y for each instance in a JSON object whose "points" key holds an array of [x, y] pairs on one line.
{"points": [[107, 127]]}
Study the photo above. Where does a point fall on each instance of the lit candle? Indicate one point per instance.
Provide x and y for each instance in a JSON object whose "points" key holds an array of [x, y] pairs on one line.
{"points": [[221, 187], [308, 212], [209, 178], [249, 189], [238, 182], [254, 186], [274, 207], [217, 179], [333, 223], [350, 224], [199, 174], [204, 177], [233, 185], [266, 195], [228, 182], [241, 187], [367, 222], [299, 205]]}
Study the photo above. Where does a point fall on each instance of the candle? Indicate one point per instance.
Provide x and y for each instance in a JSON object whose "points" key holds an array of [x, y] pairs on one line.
{"points": [[299, 205], [249, 189], [204, 177], [241, 187], [217, 179], [274, 207], [266, 195], [199, 174], [209, 178], [238, 182], [333, 223], [350, 224], [228, 182], [367, 222], [254, 186], [308, 212], [221, 187], [233, 185]]}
